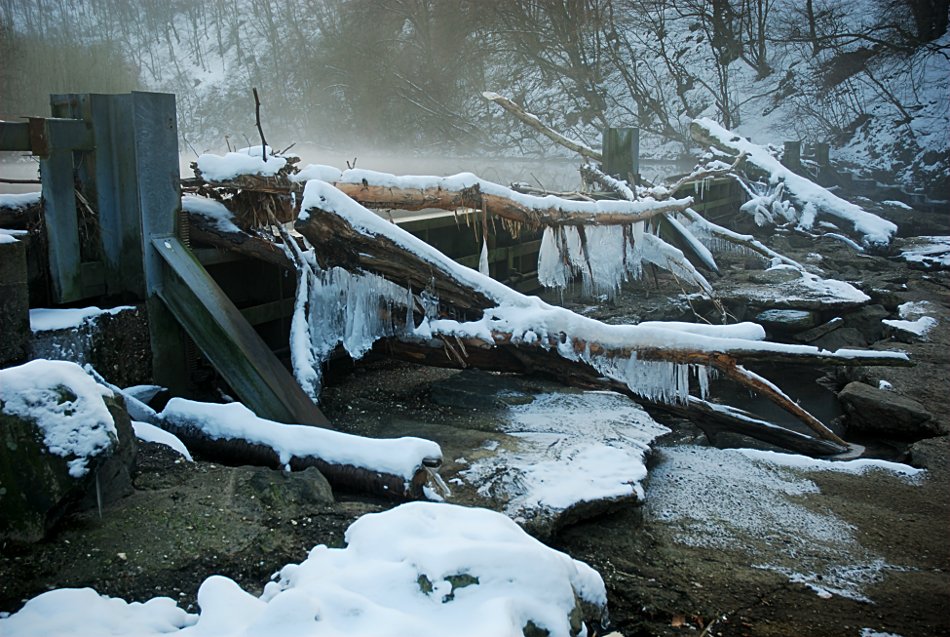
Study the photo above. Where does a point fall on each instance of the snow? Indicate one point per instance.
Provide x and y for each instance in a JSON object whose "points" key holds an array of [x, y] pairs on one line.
{"points": [[150, 433], [49, 319], [67, 406], [859, 466], [932, 251], [919, 327], [706, 495], [876, 231], [20, 201], [7, 237], [399, 456], [317, 171], [418, 569], [897, 204], [913, 318], [464, 181], [231, 165], [571, 448], [214, 211]]}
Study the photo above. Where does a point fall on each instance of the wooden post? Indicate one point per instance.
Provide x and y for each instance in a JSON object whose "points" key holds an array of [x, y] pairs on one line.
{"points": [[621, 150], [822, 155], [792, 159]]}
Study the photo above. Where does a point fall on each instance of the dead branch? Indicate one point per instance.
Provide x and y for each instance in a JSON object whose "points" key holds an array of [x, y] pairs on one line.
{"points": [[535, 123]]}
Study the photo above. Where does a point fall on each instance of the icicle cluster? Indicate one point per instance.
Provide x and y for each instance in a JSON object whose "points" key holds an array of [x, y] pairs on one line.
{"points": [[656, 381], [606, 256], [335, 307]]}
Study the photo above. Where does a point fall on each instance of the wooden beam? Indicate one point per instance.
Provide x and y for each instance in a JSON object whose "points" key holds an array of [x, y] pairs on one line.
{"points": [[228, 341]]}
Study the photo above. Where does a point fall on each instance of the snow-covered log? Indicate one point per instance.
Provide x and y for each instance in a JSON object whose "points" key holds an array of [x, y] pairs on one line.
{"points": [[391, 468], [465, 190], [476, 317], [810, 198]]}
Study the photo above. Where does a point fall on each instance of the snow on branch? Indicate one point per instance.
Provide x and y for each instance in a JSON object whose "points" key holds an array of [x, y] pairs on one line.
{"points": [[796, 199]]}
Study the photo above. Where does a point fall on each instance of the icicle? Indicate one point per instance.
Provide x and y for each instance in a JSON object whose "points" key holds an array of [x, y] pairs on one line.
{"points": [[552, 272], [483, 258], [702, 376], [306, 369]]}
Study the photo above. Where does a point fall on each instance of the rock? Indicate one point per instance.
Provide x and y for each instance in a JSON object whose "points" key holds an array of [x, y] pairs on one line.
{"points": [[932, 454], [787, 321], [847, 337], [14, 302], [293, 493], [809, 336], [867, 320], [37, 487], [877, 411]]}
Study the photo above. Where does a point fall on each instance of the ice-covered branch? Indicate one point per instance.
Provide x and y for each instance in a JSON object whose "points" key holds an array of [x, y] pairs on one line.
{"points": [[811, 199]]}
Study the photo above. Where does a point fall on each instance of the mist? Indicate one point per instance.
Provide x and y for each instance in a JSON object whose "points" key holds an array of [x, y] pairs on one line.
{"points": [[396, 84]]}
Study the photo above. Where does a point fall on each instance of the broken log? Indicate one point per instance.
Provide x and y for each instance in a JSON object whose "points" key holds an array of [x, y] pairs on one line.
{"points": [[347, 235], [232, 434]]}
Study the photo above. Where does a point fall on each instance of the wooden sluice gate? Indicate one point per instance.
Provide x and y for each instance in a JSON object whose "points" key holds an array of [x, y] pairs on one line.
{"points": [[115, 233]]}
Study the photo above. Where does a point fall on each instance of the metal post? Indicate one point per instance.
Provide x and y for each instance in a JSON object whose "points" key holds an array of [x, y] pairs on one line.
{"points": [[621, 150]]}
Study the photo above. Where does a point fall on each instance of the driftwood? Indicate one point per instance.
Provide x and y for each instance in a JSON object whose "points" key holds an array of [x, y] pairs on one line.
{"points": [[338, 243], [507, 208], [340, 476]]}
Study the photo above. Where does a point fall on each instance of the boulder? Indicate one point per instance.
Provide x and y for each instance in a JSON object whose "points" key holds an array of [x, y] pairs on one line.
{"points": [[867, 320], [787, 321], [65, 443], [843, 337], [881, 412]]}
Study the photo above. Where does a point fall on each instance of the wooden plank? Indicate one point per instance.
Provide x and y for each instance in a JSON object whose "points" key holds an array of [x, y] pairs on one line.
{"points": [[228, 341], [62, 227], [270, 311]]}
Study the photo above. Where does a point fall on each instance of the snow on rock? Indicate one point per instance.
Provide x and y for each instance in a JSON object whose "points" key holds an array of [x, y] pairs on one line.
{"points": [[247, 161], [419, 569], [67, 406], [20, 201], [703, 493], [82, 612], [150, 433], [49, 319], [233, 421], [572, 448], [929, 252], [913, 319], [214, 211], [813, 199]]}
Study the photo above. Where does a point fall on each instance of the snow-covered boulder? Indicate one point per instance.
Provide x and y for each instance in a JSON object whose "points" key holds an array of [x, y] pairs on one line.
{"points": [[61, 433], [422, 569]]}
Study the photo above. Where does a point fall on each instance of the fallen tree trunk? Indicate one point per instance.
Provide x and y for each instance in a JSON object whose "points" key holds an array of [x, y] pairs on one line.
{"points": [[349, 236]]}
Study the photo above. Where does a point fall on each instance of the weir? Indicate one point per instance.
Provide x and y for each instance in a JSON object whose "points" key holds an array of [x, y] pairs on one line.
{"points": [[116, 233]]}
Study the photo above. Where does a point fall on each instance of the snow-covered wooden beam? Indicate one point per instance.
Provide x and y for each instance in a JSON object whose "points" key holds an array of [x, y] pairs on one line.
{"points": [[465, 190]]}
